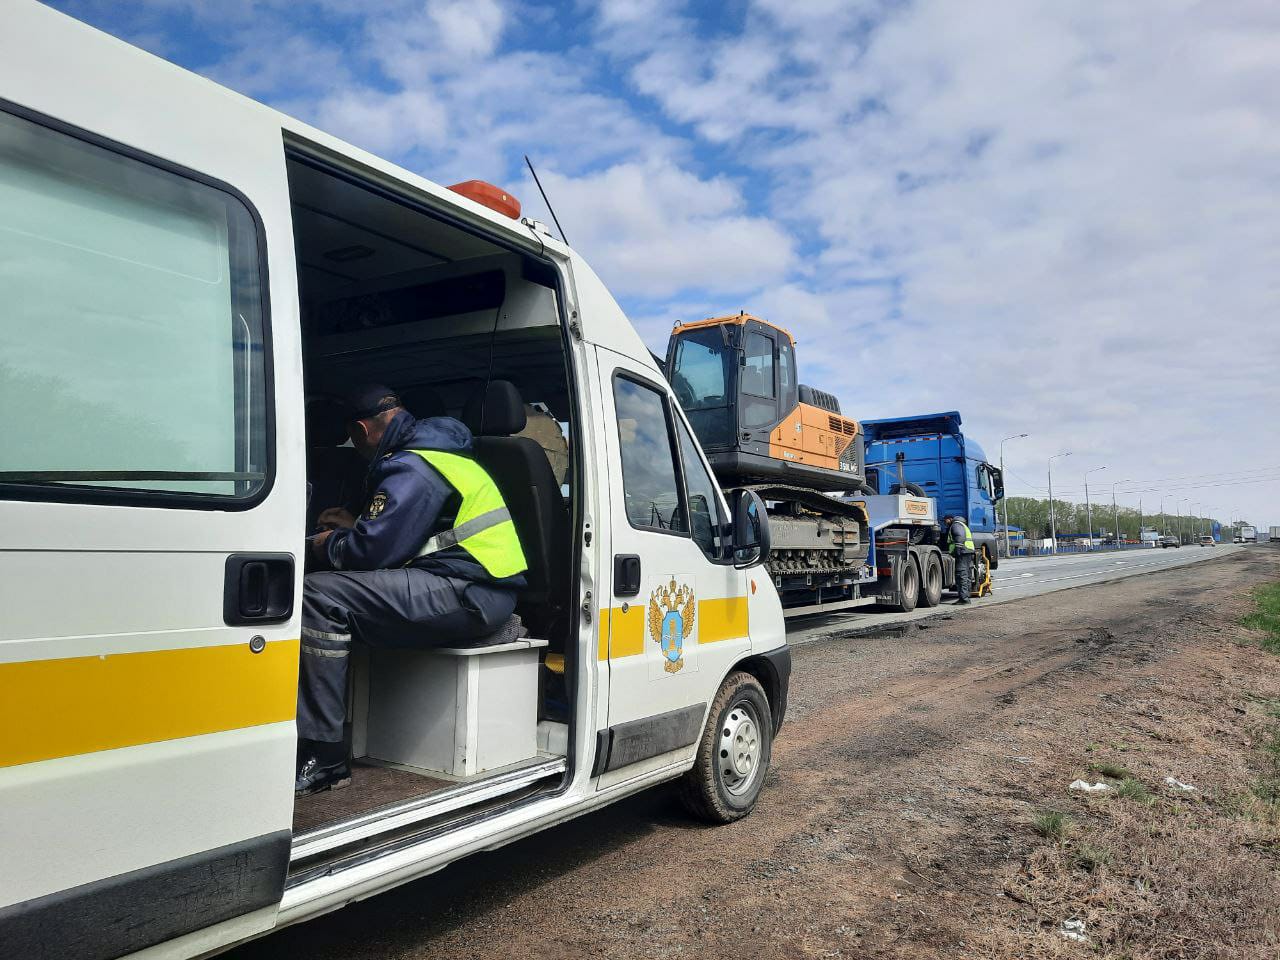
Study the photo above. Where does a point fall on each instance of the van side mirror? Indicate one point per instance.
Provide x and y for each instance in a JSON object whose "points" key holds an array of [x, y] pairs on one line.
{"points": [[750, 529]]}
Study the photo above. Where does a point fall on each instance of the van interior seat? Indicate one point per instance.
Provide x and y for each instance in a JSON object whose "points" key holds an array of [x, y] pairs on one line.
{"points": [[520, 468], [335, 472], [422, 401]]}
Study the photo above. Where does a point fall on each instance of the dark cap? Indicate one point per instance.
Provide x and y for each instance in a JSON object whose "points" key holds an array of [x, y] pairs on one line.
{"points": [[949, 516], [369, 400]]}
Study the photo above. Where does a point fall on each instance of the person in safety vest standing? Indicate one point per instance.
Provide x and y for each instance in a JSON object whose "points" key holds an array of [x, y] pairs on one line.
{"points": [[434, 559], [962, 549]]}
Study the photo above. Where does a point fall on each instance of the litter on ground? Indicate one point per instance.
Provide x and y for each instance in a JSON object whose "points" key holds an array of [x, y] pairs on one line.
{"points": [[1073, 930], [1085, 787]]}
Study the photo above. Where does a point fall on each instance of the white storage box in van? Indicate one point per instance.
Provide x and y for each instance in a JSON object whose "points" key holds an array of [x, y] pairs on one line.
{"points": [[456, 710]]}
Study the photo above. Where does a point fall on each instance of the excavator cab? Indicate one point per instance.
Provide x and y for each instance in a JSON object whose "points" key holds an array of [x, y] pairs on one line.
{"points": [[735, 378]]}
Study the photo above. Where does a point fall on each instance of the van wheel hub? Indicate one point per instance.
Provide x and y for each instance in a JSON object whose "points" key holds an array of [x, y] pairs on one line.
{"points": [[739, 748]]}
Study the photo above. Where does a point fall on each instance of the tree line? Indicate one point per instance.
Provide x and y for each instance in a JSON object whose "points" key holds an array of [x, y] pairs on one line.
{"points": [[1032, 515]]}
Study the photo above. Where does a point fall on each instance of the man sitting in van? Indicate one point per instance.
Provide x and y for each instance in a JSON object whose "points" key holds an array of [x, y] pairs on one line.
{"points": [[433, 559]]}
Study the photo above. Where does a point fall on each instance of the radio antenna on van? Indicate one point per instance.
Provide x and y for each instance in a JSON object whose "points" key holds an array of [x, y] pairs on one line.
{"points": [[545, 200]]}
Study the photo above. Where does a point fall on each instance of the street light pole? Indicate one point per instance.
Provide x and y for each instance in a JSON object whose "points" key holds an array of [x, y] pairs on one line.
{"points": [[1088, 507], [1115, 511], [1053, 520], [1006, 499], [1182, 527]]}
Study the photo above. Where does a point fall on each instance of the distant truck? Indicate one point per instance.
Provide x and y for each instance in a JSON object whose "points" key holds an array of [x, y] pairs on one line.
{"points": [[1247, 533], [1274, 534], [930, 456], [835, 541]]}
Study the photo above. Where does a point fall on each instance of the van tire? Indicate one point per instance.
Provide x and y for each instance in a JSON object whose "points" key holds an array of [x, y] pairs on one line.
{"points": [[931, 583], [739, 714], [909, 584]]}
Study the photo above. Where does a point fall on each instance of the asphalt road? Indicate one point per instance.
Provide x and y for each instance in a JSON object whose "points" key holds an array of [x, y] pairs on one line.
{"points": [[1016, 578]]}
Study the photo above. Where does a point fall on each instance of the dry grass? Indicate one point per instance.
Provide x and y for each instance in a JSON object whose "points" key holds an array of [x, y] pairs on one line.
{"points": [[1159, 873]]}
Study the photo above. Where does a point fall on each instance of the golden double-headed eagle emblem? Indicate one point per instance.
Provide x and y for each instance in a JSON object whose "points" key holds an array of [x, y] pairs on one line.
{"points": [[671, 611]]}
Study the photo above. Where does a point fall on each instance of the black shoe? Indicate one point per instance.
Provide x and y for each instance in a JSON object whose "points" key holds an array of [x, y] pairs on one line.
{"points": [[961, 603], [315, 775]]}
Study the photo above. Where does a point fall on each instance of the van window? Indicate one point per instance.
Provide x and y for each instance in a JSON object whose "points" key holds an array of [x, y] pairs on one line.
{"points": [[132, 355], [706, 523], [649, 482]]}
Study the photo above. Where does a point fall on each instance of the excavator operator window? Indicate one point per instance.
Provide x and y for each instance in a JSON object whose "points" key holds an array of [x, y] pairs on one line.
{"points": [[759, 397], [702, 374]]}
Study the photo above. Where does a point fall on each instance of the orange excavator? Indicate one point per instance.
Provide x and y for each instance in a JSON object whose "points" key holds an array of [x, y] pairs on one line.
{"points": [[735, 378]]}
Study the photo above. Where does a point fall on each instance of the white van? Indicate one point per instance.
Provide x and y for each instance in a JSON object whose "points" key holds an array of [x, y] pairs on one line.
{"points": [[186, 273]]}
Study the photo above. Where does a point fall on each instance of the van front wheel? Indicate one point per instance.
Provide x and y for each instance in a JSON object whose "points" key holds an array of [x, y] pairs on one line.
{"points": [[733, 755]]}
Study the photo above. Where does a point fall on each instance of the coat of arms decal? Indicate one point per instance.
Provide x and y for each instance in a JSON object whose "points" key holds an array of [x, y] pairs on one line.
{"points": [[671, 613]]}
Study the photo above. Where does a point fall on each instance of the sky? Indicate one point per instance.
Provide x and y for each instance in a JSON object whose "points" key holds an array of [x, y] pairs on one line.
{"points": [[1059, 219]]}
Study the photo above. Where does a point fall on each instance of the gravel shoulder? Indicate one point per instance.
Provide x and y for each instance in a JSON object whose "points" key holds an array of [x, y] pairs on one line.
{"points": [[900, 816]]}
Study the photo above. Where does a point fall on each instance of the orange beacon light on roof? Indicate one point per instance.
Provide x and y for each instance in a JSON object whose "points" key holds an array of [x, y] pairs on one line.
{"points": [[487, 195]]}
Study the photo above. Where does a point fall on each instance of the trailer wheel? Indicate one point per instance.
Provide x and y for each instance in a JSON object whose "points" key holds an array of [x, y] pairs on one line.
{"points": [[909, 584], [733, 755], [931, 586]]}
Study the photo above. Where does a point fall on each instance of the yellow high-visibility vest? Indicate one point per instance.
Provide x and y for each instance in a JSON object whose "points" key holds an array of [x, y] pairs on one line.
{"points": [[968, 538], [483, 526]]}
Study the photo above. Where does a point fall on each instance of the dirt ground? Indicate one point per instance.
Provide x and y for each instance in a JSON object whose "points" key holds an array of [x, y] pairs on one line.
{"points": [[900, 819]]}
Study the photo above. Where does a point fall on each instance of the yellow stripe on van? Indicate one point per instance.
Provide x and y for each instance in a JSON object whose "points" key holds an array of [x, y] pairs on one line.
{"points": [[622, 634], [63, 708], [722, 619]]}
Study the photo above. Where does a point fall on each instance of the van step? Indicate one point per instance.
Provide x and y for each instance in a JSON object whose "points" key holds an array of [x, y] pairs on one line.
{"points": [[401, 816]]}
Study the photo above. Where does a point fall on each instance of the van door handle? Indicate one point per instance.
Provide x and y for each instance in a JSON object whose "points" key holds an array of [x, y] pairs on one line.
{"points": [[257, 588], [626, 574]]}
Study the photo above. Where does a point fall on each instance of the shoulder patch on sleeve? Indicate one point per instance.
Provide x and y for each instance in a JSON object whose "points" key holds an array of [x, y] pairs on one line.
{"points": [[376, 505]]}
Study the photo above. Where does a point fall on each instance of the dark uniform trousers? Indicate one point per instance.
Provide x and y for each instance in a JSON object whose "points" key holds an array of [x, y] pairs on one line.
{"points": [[383, 608], [964, 573]]}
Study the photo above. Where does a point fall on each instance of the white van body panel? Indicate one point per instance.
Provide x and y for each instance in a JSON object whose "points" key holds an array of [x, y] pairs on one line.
{"points": [[123, 810], [117, 583]]}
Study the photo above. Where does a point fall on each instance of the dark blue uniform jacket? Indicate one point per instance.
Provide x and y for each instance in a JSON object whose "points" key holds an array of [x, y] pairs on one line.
{"points": [[406, 502]]}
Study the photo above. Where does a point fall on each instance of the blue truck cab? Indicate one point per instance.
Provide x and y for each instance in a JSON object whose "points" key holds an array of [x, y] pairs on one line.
{"points": [[931, 454]]}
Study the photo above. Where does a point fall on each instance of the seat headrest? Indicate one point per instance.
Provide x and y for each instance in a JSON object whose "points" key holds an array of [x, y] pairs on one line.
{"points": [[423, 402], [326, 422], [502, 407]]}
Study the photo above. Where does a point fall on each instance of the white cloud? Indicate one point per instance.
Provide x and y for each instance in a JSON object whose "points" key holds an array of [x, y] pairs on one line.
{"points": [[1079, 204], [654, 230], [383, 122]]}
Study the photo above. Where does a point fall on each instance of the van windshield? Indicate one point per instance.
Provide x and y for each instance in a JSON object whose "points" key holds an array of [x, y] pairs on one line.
{"points": [[702, 375]]}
